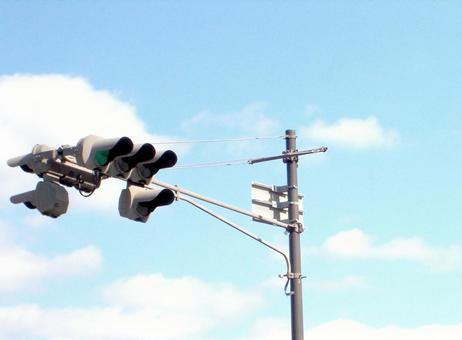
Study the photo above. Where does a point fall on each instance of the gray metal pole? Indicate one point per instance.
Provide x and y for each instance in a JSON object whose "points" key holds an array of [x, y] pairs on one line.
{"points": [[296, 303]]}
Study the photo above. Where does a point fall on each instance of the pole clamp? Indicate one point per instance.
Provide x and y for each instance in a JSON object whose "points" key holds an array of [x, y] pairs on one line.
{"points": [[177, 193], [295, 276], [289, 158], [295, 226], [291, 276]]}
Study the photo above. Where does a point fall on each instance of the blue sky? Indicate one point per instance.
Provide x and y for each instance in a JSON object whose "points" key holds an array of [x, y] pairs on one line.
{"points": [[377, 82]]}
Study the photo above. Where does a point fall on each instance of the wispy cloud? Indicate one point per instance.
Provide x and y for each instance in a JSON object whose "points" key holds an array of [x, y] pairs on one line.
{"points": [[276, 329], [141, 307], [251, 120], [191, 295], [23, 269], [355, 243], [37, 221], [351, 133], [345, 283], [269, 329]]}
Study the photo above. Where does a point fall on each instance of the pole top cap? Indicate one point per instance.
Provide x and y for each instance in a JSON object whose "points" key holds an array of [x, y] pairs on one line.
{"points": [[290, 133]]}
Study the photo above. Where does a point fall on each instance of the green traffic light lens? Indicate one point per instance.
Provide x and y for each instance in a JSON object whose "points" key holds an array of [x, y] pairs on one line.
{"points": [[112, 149], [102, 157]]}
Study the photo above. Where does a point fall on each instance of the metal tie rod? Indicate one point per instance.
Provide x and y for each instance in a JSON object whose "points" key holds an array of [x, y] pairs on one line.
{"points": [[242, 230], [220, 204]]}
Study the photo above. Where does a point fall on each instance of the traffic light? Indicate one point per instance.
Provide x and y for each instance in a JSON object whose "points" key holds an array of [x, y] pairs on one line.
{"points": [[34, 162], [137, 203], [24, 162], [85, 165], [49, 198], [122, 165], [143, 172], [95, 153]]}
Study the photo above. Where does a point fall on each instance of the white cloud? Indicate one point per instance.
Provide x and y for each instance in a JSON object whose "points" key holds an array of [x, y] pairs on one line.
{"points": [[37, 221], [355, 243], [351, 330], [81, 261], [351, 133], [99, 323], [275, 329], [141, 307], [249, 120], [350, 243], [269, 329], [191, 295], [22, 269], [55, 110], [347, 282]]}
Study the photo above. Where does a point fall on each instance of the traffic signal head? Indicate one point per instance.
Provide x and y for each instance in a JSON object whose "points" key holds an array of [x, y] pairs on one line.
{"points": [[122, 165], [143, 172], [24, 162], [96, 153], [137, 203], [32, 162], [85, 165], [49, 198]]}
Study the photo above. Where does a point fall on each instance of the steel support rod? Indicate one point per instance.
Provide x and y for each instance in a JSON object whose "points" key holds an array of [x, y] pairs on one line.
{"points": [[296, 303], [238, 228], [218, 203]]}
